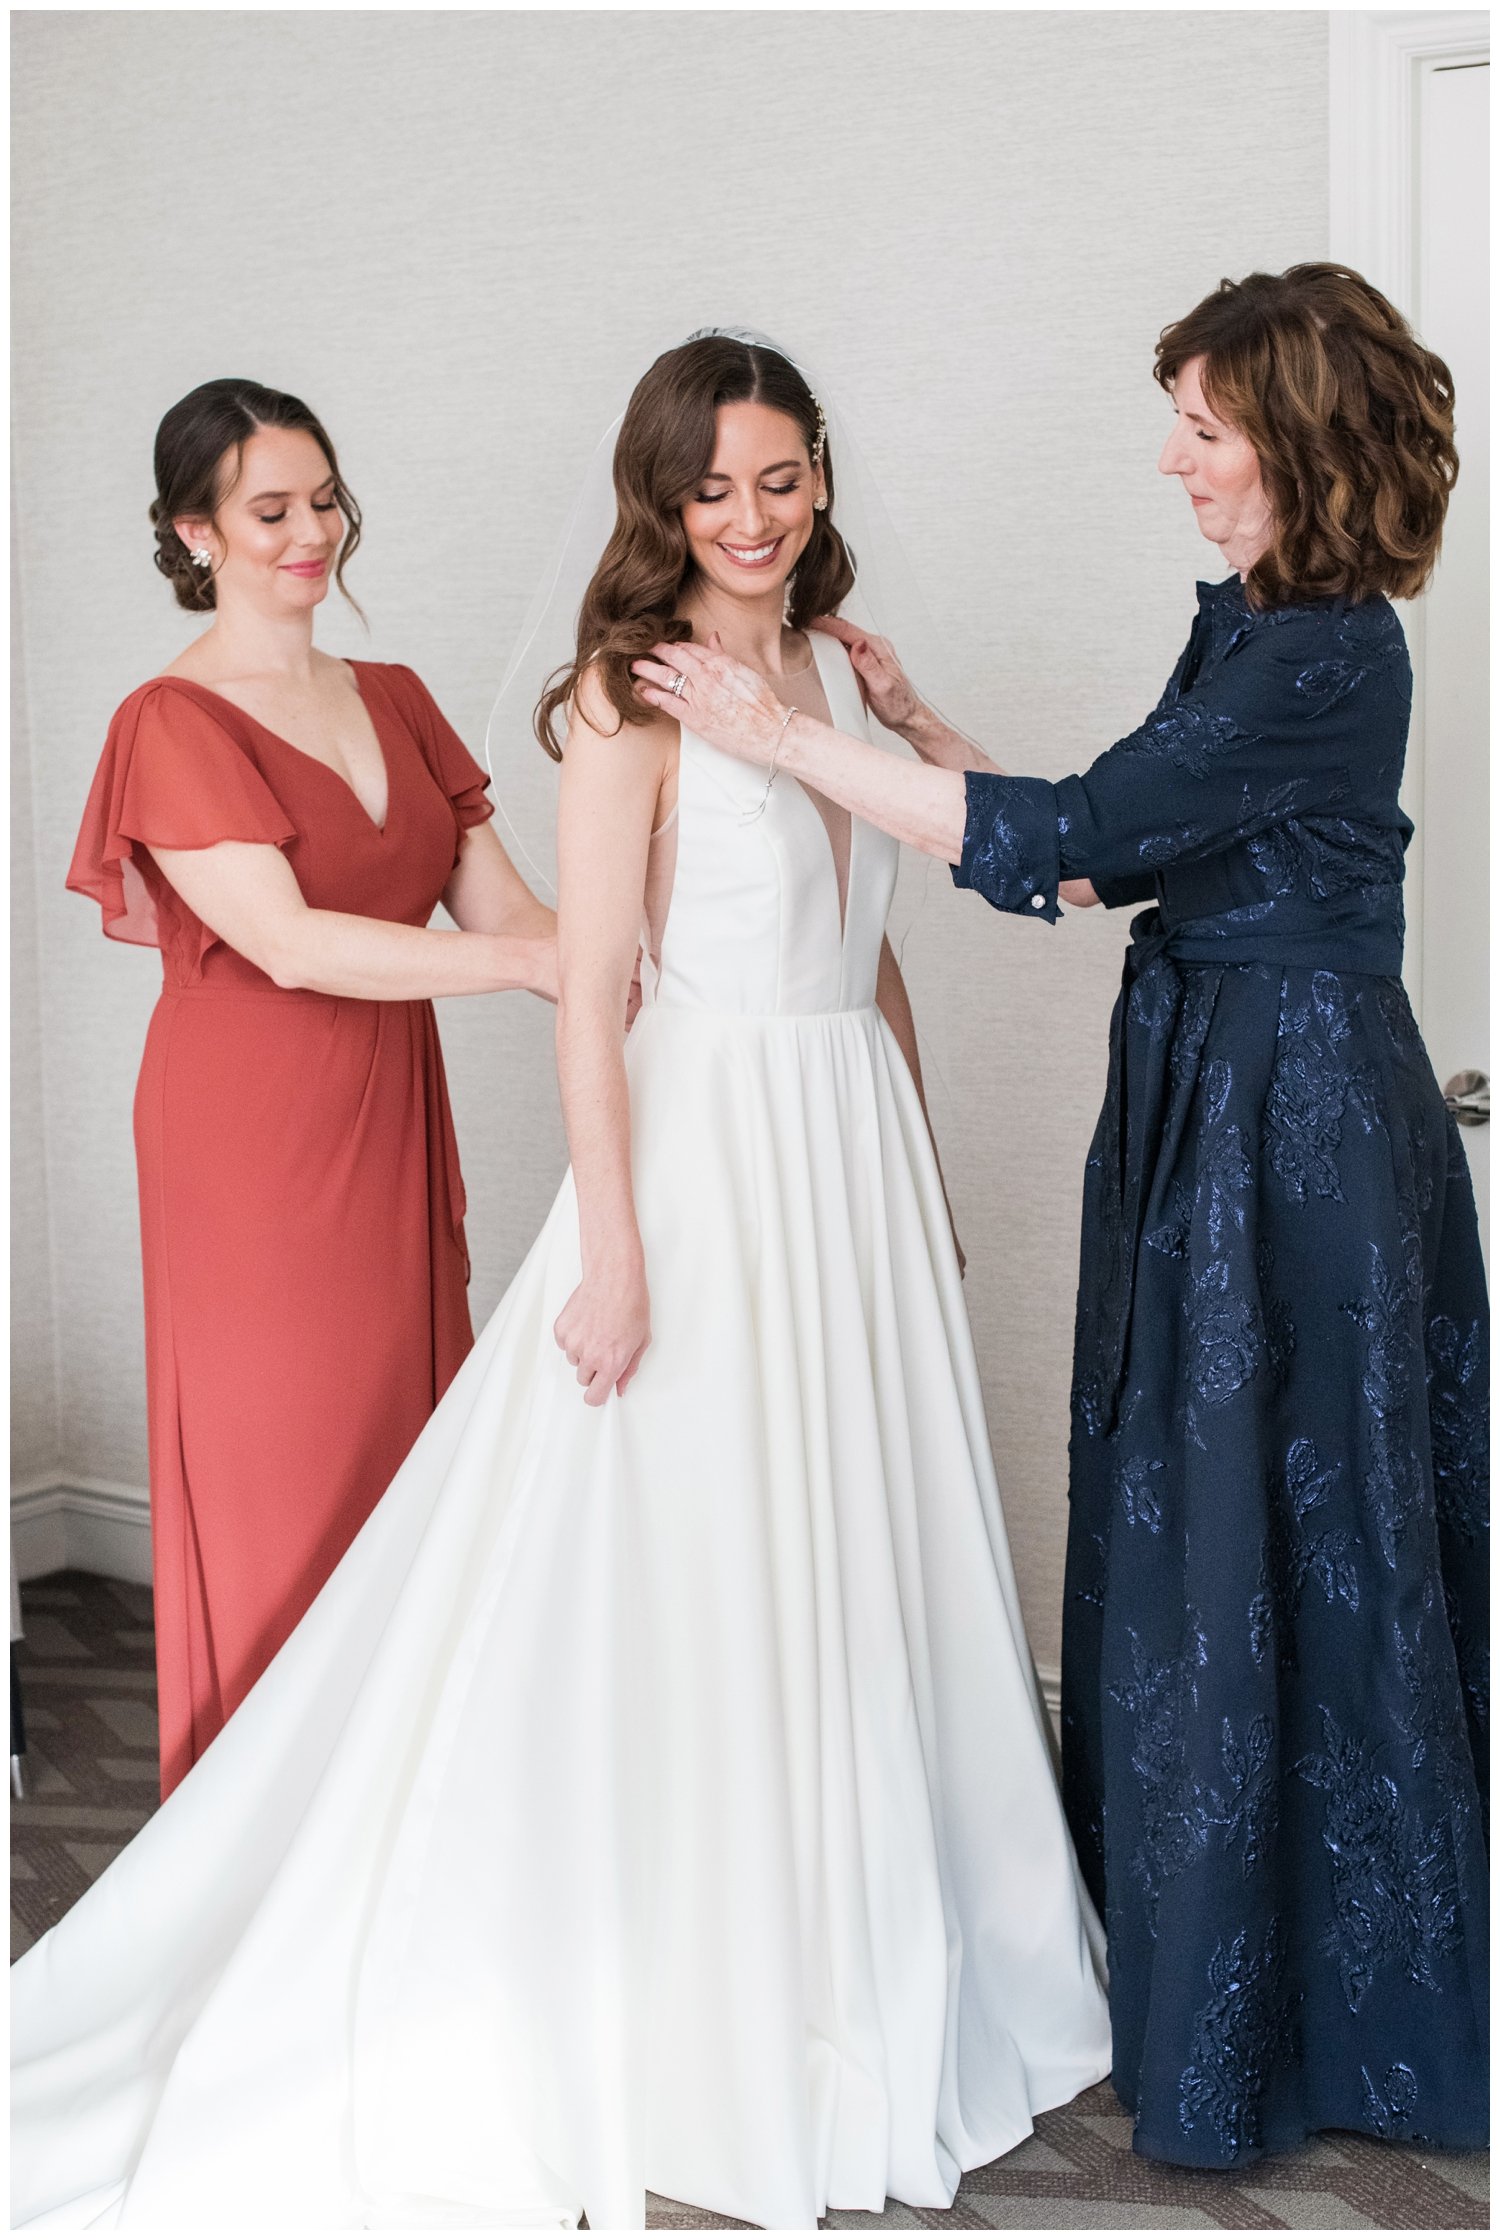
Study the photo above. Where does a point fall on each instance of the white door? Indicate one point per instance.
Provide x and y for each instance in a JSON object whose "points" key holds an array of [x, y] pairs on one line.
{"points": [[1449, 776]]}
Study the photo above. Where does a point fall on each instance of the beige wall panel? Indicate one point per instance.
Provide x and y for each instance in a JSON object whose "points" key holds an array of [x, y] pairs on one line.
{"points": [[461, 237]]}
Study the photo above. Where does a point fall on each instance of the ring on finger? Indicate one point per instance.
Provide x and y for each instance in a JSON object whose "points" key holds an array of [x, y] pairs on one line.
{"points": [[678, 686]]}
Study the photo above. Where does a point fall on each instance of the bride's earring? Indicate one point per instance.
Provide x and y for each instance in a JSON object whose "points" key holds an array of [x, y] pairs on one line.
{"points": [[201, 557], [820, 505]]}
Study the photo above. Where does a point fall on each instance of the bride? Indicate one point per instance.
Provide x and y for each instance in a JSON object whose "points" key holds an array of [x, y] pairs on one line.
{"points": [[658, 1794]]}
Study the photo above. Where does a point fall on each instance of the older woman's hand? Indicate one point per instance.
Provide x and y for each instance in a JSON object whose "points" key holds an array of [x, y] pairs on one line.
{"points": [[730, 706], [889, 692]]}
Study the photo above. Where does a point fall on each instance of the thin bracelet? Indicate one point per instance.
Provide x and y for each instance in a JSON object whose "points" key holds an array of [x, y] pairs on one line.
{"points": [[759, 809]]}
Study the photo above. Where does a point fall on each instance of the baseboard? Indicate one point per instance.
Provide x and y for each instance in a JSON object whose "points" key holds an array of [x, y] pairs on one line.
{"points": [[1051, 1679], [81, 1524]]}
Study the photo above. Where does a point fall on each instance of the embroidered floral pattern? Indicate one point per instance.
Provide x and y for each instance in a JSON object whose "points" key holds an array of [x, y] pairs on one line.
{"points": [[1393, 1474], [1138, 1484], [1246, 1809], [1322, 684], [1394, 1006], [1311, 1089], [1394, 1889], [1186, 736], [1160, 1696], [1336, 855], [1199, 988], [1153, 999], [1171, 1235], [1228, 1178], [1278, 858], [1458, 1411], [1168, 847], [1011, 842], [1431, 1720], [1390, 2106], [1242, 2034], [1225, 1341], [1293, 1554]]}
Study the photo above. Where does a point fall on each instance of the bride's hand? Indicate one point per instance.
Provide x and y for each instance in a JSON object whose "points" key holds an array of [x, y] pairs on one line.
{"points": [[606, 1327], [721, 700], [889, 692]]}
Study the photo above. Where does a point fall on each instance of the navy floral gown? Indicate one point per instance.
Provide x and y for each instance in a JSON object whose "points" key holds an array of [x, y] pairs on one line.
{"points": [[1274, 1661]]}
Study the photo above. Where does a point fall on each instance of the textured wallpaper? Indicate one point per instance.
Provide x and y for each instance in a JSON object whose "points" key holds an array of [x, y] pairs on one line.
{"points": [[462, 237]]}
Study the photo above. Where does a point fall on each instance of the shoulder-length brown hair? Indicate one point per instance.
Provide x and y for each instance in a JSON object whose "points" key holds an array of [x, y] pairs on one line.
{"points": [[1350, 417], [664, 449]]}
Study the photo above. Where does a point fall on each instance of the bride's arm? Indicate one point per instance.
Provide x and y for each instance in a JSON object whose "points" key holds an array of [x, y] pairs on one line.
{"points": [[611, 782], [894, 1005]]}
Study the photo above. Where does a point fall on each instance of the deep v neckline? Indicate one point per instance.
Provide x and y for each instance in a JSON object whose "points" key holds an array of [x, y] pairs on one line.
{"points": [[281, 740], [842, 901]]}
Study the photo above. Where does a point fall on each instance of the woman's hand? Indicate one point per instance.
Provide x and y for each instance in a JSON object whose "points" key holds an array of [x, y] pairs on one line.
{"points": [[730, 706], [545, 982], [1078, 892], [606, 1327], [889, 692]]}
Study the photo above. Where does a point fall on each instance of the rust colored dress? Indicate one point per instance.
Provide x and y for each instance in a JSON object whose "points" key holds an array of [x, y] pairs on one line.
{"points": [[301, 1201]]}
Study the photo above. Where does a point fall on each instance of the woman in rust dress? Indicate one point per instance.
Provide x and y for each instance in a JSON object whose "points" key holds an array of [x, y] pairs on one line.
{"points": [[282, 826]]}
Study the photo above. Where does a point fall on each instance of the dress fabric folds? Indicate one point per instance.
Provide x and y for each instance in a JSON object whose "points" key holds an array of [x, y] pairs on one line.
{"points": [[657, 1795], [1275, 1634], [301, 1200]]}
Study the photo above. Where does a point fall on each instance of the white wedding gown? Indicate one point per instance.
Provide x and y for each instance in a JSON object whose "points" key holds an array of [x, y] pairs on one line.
{"points": [[657, 1795]]}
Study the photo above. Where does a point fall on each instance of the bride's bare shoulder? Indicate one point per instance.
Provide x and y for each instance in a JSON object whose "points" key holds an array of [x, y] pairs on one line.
{"points": [[594, 716]]}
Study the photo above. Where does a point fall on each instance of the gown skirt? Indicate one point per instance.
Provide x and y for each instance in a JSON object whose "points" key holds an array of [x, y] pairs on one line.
{"points": [[657, 1795]]}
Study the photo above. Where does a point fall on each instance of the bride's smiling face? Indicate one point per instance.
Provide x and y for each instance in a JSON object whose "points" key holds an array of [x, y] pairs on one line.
{"points": [[749, 519]]}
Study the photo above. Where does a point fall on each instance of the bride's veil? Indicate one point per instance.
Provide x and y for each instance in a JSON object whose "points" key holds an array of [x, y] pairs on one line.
{"points": [[885, 599]]}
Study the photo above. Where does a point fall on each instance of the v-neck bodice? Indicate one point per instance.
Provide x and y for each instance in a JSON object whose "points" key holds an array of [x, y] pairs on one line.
{"points": [[280, 739], [186, 768], [753, 922]]}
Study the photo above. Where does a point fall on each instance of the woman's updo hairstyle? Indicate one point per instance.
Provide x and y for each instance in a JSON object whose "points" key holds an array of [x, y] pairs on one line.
{"points": [[193, 443], [664, 449], [1350, 417]]}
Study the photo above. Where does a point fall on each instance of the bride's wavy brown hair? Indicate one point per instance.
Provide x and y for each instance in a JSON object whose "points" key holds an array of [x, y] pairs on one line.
{"points": [[664, 449], [1350, 417]]}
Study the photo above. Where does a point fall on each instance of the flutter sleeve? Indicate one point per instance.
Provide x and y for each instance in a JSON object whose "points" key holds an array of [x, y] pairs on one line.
{"points": [[1268, 733], [447, 757], [171, 776]]}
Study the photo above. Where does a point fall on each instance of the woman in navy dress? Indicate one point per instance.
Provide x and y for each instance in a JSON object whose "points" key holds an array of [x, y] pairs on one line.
{"points": [[1274, 1660]]}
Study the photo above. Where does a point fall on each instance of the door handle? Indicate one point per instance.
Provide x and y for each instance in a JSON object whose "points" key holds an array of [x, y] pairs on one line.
{"points": [[1467, 1097]]}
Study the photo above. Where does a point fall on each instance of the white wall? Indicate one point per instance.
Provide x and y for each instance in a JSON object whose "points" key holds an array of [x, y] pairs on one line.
{"points": [[461, 237]]}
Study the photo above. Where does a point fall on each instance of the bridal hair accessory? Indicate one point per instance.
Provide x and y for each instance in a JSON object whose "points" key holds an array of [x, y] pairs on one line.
{"points": [[748, 816], [885, 600]]}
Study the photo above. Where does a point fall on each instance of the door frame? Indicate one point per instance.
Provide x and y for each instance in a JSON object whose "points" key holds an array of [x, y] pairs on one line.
{"points": [[1375, 60]]}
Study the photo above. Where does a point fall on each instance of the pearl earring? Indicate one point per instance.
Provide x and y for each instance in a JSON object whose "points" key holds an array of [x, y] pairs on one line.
{"points": [[201, 557]]}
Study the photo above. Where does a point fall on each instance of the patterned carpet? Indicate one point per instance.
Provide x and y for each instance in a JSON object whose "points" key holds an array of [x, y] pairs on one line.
{"points": [[90, 1703]]}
